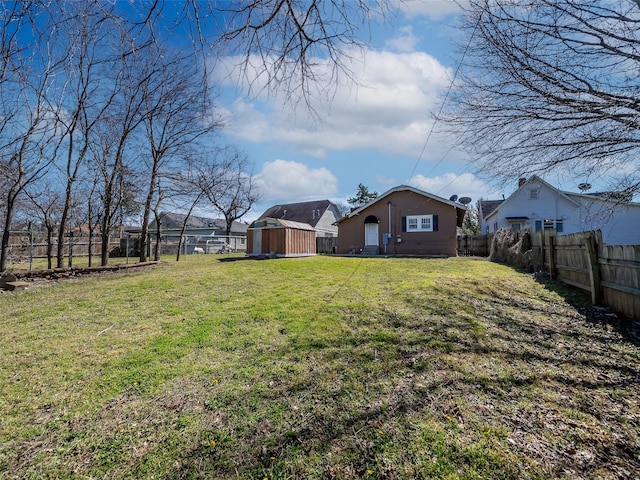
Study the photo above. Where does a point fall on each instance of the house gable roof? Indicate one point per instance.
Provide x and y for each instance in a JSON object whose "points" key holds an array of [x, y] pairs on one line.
{"points": [[302, 212], [610, 197], [488, 206], [534, 180], [402, 188], [171, 221]]}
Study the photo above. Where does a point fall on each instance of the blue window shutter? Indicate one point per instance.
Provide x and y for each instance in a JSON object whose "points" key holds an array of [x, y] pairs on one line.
{"points": [[435, 223], [404, 224]]}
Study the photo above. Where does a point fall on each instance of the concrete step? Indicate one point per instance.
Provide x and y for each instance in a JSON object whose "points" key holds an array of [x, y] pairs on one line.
{"points": [[371, 250]]}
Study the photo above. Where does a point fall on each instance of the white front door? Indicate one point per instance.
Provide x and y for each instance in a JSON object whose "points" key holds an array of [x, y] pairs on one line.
{"points": [[370, 234]]}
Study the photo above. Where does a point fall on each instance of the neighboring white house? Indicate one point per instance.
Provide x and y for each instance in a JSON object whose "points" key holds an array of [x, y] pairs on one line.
{"points": [[537, 205]]}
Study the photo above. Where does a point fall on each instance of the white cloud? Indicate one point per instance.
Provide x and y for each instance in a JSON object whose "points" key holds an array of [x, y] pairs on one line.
{"points": [[464, 185], [388, 111], [386, 181], [287, 181], [405, 41], [435, 9]]}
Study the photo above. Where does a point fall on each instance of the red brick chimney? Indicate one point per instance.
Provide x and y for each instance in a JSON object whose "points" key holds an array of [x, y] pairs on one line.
{"points": [[521, 181]]}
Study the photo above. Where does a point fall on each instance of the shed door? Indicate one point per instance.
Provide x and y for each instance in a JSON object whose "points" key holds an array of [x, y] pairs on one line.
{"points": [[257, 241], [371, 234]]}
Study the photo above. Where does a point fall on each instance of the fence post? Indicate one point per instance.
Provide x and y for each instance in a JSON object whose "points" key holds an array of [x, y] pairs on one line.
{"points": [[542, 248], [594, 272], [30, 248], [552, 256]]}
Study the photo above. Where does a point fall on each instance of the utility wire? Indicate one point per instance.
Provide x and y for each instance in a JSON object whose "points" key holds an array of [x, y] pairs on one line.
{"points": [[444, 101]]}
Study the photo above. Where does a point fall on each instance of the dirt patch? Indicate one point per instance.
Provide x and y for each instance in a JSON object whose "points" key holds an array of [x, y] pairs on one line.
{"points": [[43, 278]]}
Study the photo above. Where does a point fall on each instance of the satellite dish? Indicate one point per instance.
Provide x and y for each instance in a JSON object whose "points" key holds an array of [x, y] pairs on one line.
{"points": [[465, 200], [584, 186], [453, 198]]}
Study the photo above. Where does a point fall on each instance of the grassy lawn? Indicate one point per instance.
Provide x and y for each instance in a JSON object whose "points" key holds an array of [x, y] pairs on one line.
{"points": [[314, 368]]}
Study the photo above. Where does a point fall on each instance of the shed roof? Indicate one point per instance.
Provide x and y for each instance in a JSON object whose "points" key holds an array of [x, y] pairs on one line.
{"points": [[280, 223]]}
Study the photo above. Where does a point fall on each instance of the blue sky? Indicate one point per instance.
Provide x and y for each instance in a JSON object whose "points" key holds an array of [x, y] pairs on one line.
{"points": [[375, 132]]}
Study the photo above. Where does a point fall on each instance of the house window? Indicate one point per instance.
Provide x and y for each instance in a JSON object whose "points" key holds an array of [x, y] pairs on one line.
{"points": [[420, 223], [550, 223], [516, 223], [538, 225], [534, 193]]}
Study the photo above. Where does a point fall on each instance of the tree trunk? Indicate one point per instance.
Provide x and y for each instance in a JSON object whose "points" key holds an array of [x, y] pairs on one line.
{"points": [[156, 250], [62, 226], [49, 246], [147, 213], [4, 248], [5, 237], [106, 228]]}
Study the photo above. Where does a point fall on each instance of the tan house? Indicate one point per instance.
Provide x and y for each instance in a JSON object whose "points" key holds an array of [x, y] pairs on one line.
{"points": [[402, 221]]}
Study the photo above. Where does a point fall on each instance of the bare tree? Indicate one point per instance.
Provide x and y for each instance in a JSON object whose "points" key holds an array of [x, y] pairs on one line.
{"points": [[236, 191], [26, 129], [220, 177], [177, 114], [48, 202], [83, 96], [195, 201], [187, 189], [80, 79], [115, 158], [26, 165], [551, 86], [157, 217], [93, 215], [285, 41]]}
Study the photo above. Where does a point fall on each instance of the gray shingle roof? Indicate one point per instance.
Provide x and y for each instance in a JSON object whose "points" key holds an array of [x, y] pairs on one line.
{"points": [[175, 220], [303, 212], [488, 206]]}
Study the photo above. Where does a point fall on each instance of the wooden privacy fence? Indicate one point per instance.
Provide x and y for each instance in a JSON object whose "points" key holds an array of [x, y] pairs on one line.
{"points": [[326, 244], [22, 247], [611, 273], [474, 245]]}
